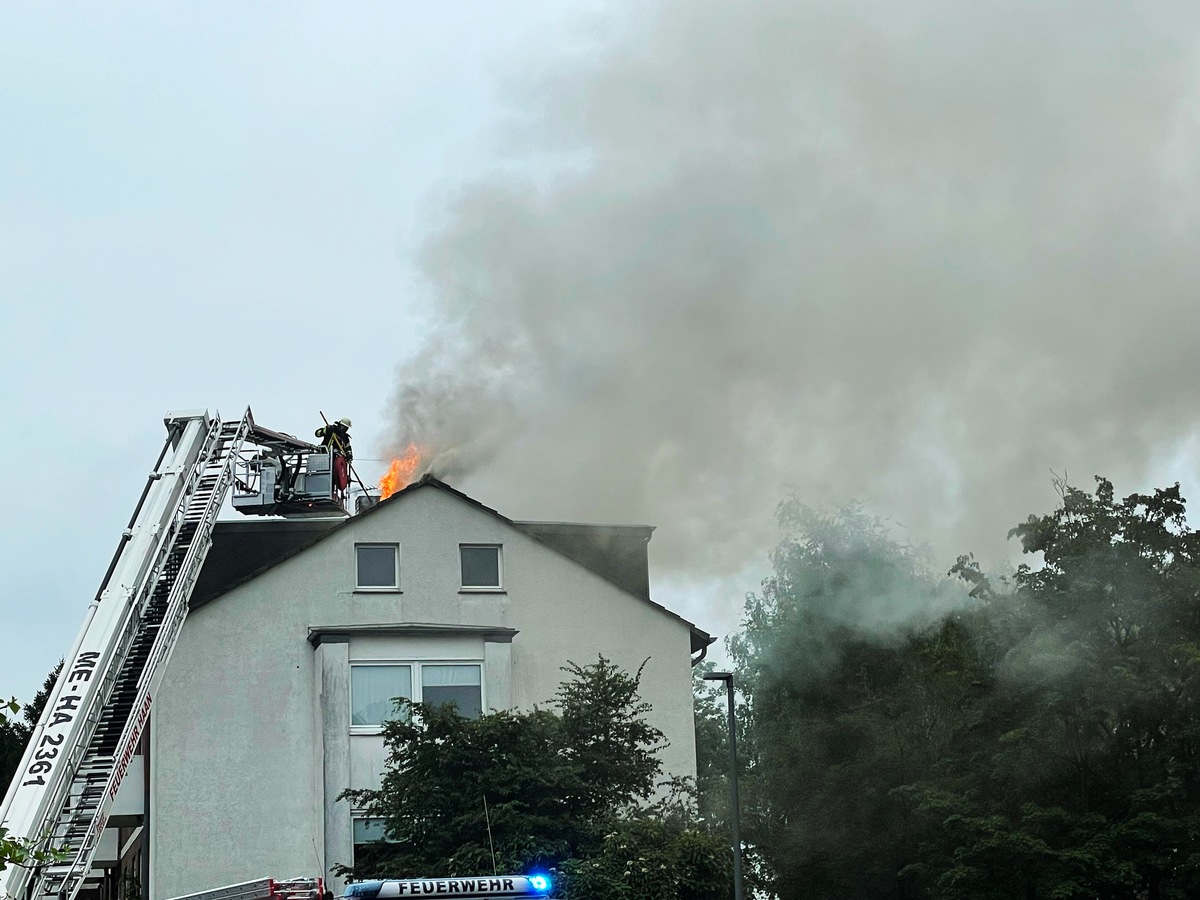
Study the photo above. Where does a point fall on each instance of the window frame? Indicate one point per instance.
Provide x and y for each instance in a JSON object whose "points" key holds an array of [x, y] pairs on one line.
{"points": [[417, 680], [356, 816], [375, 588], [497, 588], [378, 664], [359, 815]]}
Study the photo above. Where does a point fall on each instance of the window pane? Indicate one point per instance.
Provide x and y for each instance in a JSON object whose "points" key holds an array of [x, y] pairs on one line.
{"points": [[366, 830], [376, 566], [372, 692], [480, 566], [371, 850], [459, 685]]}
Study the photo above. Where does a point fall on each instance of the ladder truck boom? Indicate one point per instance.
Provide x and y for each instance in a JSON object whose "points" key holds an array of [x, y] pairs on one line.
{"points": [[95, 715]]}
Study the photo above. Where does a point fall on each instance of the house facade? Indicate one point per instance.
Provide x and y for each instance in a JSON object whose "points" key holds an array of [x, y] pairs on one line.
{"points": [[301, 632]]}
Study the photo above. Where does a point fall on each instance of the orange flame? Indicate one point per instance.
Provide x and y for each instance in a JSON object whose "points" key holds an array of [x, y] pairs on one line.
{"points": [[400, 473]]}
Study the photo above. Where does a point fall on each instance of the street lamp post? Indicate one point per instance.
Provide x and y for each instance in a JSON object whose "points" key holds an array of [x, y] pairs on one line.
{"points": [[735, 816]]}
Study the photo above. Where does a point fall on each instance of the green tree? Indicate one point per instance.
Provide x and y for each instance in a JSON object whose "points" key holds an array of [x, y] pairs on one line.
{"points": [[12, 742], [712, 747], [852, 687], [547, 788], [651, 858], [11, 850], [1036, 737], [1093, 717], [712, 770], [606, 740]]}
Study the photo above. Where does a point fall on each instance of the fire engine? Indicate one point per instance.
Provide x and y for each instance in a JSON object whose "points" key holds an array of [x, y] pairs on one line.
{"points": [[94, 717], [495, 887]]}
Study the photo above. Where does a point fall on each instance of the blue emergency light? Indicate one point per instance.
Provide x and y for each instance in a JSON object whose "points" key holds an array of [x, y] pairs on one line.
{"points": [[501, 887]]}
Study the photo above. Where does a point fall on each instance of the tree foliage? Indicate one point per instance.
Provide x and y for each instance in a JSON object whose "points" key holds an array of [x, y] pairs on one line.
{"points": [[12, 741], [1036, 737], [570, 788], [650, 858]]}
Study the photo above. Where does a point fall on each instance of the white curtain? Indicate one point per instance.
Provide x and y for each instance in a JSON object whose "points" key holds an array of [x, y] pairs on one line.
{"points": [[373, 689], [449, 676]]}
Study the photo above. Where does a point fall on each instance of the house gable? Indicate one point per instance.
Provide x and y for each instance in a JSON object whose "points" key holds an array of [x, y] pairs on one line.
{"points": [[244, 550]]}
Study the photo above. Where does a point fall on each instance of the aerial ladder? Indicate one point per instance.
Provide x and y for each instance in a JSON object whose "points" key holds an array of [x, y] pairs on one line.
{"points": [[94, 718]]}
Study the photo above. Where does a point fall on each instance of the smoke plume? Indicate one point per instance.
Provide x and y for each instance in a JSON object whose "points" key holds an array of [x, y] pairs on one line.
{"points": [[913, 253]]}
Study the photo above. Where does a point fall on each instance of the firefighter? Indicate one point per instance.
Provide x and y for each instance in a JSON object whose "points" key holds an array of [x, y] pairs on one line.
{"points": [[337, 438]]}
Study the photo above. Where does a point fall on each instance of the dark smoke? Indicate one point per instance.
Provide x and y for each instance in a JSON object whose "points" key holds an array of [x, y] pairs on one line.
{"points": [[912, 253]]}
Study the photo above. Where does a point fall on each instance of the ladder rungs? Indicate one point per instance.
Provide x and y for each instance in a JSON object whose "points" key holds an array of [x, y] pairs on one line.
{"points": [[137, 654]]}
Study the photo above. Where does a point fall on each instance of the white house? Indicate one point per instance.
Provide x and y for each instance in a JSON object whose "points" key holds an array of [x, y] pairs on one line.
{"points": [[301, 630]]}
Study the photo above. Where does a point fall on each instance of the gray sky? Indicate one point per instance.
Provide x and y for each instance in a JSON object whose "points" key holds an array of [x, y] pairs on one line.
{"points": [[649, 264], [211, 206]]}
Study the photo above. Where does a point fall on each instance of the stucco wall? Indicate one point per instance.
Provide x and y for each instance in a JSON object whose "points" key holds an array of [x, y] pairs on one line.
{"points": [[242, 734]]}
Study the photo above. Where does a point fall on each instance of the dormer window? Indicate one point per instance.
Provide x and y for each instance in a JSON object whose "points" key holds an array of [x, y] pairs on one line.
{"points": [[480, 567]]}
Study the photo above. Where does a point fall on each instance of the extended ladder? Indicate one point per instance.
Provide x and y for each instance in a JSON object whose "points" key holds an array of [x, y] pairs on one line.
{"points": [[94, 718]]}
